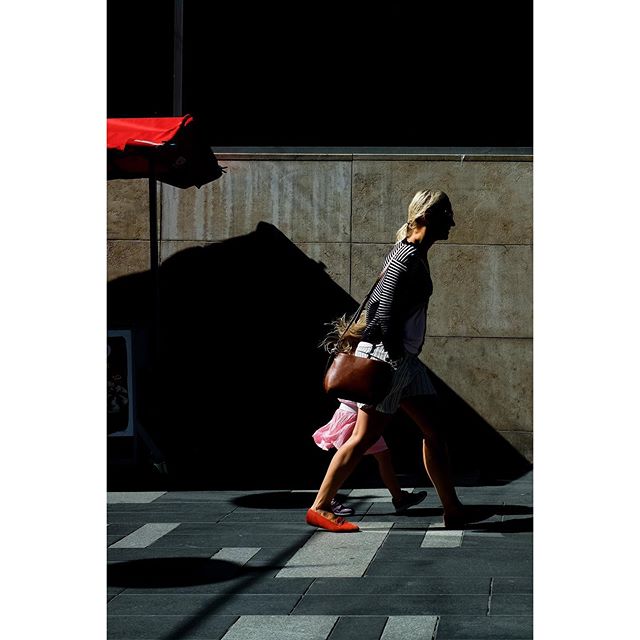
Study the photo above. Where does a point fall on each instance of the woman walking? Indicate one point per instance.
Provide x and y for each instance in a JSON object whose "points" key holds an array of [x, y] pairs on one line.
{"points": [[395, 331]]}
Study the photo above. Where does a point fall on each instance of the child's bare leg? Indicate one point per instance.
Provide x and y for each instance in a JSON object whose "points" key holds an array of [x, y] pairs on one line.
{"points": [[388, 474], [369, 427]]}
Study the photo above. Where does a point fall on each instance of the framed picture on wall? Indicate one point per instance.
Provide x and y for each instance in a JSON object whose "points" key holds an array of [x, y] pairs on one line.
{"points": [[120, 395]]}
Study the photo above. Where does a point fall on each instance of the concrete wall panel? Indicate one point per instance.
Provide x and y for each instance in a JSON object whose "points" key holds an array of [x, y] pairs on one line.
{"points": [[171, 247], [480, 317], [335, 256], [309, 201], [128, 209], [481, 290], [492, 201], [494, 376], [125, 257]]}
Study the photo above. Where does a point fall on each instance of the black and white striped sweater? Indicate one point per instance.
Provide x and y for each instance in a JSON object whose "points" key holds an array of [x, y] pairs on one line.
{"points": [[405, 286]]}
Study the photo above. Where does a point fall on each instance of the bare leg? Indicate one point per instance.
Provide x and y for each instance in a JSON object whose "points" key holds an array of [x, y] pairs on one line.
{"points": [[388, 474], [369, 427], [424, 411]]}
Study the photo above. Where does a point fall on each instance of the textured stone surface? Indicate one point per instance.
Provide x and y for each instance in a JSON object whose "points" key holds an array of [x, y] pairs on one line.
{"points": [[174, 588], [345, 213], [281, 628], [477, 290], [133, 497], [492, 201], [415, 627], [495, 376], [336, 256], [521, 440], [169, 248], [125, 257], [481, 291], [145, 535], [128, 209], [309, 201], [328, 555]]}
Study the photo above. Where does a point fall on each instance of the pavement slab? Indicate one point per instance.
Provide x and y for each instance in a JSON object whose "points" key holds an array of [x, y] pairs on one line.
{"points": [[239, 565]]}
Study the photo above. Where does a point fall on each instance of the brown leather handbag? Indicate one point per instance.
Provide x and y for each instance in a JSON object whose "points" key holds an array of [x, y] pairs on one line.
{"points": [[358, 378]]}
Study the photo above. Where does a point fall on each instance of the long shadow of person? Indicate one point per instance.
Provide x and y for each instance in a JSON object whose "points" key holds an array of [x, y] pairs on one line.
{"points": [[238, 390]]}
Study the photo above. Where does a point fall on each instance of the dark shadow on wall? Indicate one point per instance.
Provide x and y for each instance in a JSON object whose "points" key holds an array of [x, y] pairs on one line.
{"points": [[239, 391]]}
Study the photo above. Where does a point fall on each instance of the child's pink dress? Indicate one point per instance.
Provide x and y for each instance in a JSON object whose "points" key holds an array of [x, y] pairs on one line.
{"points": [[339, 429]]}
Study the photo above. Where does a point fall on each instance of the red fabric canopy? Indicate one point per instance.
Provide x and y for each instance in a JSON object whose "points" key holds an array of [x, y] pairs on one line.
{"points": [[173, 150], [141, 132]]}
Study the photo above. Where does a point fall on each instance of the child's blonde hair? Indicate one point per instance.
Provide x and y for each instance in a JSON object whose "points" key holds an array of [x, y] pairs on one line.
{"points": [[346, 343]]}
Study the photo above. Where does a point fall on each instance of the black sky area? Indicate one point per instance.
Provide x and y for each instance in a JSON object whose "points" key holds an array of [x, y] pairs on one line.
{"points": [[258, 78]]}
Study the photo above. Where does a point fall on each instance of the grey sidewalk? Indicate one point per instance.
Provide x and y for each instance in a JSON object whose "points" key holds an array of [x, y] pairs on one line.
{"points": [[243, 565]]}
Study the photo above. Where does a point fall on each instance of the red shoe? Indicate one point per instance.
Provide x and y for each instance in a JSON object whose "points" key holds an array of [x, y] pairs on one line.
{"points": [[339, 525]]}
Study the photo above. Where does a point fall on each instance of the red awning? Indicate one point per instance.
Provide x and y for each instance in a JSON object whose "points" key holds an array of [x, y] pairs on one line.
{"points": [[141, 132], [173, 150]]}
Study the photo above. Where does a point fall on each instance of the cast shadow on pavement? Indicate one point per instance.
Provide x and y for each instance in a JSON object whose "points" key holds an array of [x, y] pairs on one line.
{"points": [[158, 573], [238, 392]]}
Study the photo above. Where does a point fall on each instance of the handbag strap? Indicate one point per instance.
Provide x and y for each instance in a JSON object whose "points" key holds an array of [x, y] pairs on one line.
{"points": [[356, 315]]}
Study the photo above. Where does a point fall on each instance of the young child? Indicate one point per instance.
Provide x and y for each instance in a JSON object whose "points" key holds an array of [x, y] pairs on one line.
{"points": [[337, 431]]}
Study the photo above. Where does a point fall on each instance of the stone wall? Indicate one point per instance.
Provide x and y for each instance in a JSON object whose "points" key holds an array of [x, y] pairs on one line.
{"points": [[343, 210]]}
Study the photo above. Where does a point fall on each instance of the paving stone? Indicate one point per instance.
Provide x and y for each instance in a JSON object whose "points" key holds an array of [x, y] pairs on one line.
{"points": [[281, 628], [392, 604], [206, 496], [225, 526], [250, 583], [273, 554], [133, 497], [460, 557], [123, 529], [121, 517], [511, 604], [512, 585], [372, 495], [264, 516], [407, 521], [400, 585], [122, 555], [451, 567], [422, 510], [414, 627], [399, 539], [490, 573], [327, 554], [466, 627], [185, 508], [362, 627], [246, 539], [163, 626], [496, 542], [239, 555], [145, 535], [202, 604], [441, 539]]}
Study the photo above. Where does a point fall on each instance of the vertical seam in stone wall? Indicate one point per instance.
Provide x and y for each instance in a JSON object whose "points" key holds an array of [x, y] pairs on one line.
{"points": [[351, 226], [160, 212]]}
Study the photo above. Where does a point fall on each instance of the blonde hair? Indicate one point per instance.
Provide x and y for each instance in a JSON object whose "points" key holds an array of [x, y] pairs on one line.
{"points": [[335, 341], [423, 203]]}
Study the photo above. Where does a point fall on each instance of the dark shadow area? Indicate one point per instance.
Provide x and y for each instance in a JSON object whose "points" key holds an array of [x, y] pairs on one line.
{"points": [[156, 573], [239, 391], [517, 525], [481, 95], [478, 513]]}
